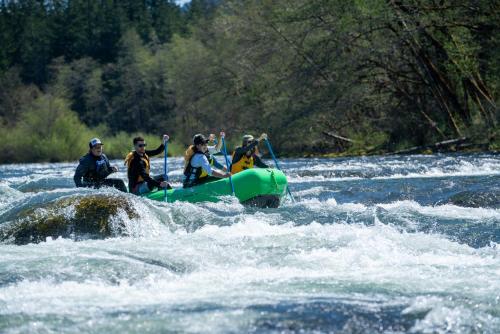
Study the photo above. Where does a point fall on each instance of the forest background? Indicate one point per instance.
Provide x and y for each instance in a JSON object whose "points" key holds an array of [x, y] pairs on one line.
{"points": [[319, 76]]}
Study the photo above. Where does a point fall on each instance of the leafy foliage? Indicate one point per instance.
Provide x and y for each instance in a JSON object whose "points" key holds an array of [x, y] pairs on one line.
{"points": [[383, 74]]}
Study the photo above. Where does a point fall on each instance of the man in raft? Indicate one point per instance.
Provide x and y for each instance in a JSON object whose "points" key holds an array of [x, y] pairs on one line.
{"points": [[214, 146], [94, 168], [246, 156], [139, 166], [199, 162]]}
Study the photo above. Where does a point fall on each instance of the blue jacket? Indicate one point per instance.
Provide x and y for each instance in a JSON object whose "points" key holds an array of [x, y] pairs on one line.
{"points": [[92, 169]]}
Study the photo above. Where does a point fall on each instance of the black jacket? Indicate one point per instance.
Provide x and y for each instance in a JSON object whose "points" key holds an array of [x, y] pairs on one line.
{"points": [[240, 151], [92, 169], [137, 168]]}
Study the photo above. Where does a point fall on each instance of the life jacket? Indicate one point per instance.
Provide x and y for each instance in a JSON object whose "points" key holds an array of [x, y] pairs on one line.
{"points": [[242, 164], [97, 168], [194, 175], [101, 166], [145, 158]]}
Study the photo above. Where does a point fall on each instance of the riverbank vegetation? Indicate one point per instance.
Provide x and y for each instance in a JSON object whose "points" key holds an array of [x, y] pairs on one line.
{"points": [[321, 77]]}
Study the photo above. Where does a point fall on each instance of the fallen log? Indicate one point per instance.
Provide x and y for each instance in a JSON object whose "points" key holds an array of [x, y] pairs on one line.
{"points": [[336, 136], [436, 147]]}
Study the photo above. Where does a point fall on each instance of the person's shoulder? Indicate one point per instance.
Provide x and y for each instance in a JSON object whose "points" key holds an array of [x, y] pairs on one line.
{"points": [[104, 156], [130, 159], [198, 157], [85, 158], [136, 157]]}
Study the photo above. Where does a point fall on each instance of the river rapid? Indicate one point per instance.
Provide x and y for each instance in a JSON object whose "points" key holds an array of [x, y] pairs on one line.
{"points": [[371, 245]]}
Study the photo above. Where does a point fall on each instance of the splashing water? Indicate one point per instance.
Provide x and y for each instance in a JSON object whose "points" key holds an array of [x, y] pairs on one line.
{"points": [[379, 244]]}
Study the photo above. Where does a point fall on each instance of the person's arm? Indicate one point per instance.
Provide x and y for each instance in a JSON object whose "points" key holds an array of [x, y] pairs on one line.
{"points": [[80, 172], [212, 172], [160, 148], [240, 150], [258, 162], [217, 164], [219, 144], [202, 161], [110, 170], [145, 176], [220, 174], [156, 151]]}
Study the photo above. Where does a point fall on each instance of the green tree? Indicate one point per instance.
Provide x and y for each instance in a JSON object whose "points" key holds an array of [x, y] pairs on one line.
{"points": [[47, 131], [138, 88]]}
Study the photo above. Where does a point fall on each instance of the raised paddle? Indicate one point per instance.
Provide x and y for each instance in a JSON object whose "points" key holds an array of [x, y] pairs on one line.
{"points": [[165, 175], [222, 135], [277, 165]]}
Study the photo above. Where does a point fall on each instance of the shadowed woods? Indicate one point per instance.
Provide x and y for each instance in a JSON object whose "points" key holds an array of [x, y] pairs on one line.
{"points": [[321, 77]]}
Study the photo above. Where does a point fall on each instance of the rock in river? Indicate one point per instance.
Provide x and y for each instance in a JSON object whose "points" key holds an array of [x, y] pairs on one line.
{"points": [[88, 217]]}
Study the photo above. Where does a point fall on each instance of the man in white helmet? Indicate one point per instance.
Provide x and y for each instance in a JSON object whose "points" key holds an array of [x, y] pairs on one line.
{"points": [[247, 156]]}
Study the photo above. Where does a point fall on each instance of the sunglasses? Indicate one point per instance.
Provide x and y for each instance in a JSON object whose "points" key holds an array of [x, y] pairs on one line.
{"points": [[142, 145]]}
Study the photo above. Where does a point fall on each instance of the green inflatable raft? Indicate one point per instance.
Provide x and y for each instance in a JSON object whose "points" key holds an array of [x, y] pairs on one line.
{"points": [[259, 187]]}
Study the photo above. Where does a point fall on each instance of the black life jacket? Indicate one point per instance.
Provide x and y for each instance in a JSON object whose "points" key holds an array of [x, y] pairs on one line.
{"points": [[97, 169], [195, 175]]}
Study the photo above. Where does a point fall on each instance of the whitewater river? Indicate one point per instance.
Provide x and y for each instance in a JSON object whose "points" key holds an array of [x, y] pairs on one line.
{"points": [[377, 244]]}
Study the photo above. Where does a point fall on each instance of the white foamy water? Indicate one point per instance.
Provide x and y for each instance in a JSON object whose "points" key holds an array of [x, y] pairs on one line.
{"points": [[252, 263], [372, 253]]}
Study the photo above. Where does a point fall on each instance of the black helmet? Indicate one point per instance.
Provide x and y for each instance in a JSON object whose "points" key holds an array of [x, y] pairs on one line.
{"points": [[199, 139]]}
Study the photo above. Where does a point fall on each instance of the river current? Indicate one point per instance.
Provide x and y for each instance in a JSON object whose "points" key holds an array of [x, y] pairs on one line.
{"points": [[371, 245]]}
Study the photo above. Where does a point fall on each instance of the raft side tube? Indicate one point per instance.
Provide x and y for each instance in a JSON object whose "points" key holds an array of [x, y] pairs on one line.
{"points": [[248, 184]]}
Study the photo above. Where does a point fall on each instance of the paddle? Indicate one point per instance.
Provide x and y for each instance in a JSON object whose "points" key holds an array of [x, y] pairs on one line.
{"points": [[222, 134], [277, 166], [165, 176]]}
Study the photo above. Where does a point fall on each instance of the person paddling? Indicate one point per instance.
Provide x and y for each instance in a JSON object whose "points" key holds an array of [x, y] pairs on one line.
{"points": [[94, 168], [246, 156], [214, 145], [139, 166], [198, 164]]}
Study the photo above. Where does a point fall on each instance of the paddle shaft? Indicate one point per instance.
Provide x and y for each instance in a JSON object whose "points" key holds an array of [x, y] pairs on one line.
{"points": [[227, 164], [278, 166], [165, 177]]}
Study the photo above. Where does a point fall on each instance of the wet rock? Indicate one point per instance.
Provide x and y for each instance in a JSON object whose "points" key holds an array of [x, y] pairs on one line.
{"points": [[89, 217], [473, 199]]}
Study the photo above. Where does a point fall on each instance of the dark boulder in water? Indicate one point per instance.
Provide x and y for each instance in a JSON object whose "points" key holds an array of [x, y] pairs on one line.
{"points": [[89, 217], [476, 199]]}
